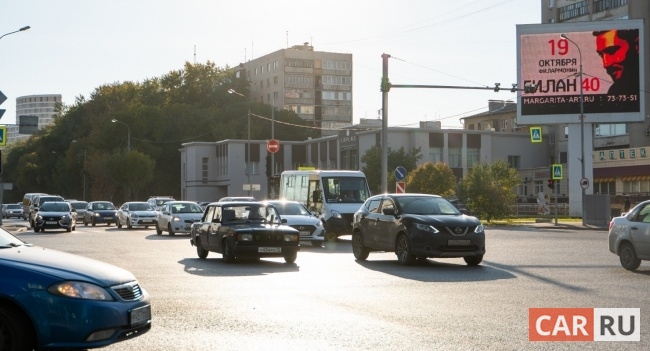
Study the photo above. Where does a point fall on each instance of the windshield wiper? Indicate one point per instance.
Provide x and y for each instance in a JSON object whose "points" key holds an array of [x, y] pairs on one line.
{"points": [[6, 246]]}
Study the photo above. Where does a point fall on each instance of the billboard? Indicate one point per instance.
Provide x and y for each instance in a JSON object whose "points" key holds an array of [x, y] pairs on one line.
{"points": [[27, 124], [602, 62]]}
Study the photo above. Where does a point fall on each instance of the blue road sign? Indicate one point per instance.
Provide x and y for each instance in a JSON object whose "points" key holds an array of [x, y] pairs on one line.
{"points": [[557, 171], [400, 173]]}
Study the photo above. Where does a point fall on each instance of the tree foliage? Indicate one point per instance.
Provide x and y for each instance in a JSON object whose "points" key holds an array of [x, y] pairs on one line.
{"points": [[489, 190], [161, 113], [372, 165], [432, 178]]}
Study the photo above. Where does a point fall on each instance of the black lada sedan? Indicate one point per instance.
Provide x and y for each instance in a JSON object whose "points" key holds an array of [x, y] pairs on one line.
{"points": [[55, 215], [244, 229], [416, 226]]}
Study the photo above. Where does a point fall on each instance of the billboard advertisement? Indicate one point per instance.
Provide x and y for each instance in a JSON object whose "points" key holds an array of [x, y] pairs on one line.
{"points": [[600, 62]]}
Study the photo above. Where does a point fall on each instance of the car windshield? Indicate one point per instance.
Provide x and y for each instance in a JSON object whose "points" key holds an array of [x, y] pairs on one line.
{"points": [[249, 213], [103, 206], [140, 207], [186, 208], [55, 207], [291, 209], [345, 189], [8, 240], [79, 205], [14, 207], [426, 205], [162, 202]]}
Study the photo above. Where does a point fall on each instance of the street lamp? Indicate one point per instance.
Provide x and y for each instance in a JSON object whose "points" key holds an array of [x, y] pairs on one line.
{"points": [[128, 134], [248, 173], [84, 171], [582, 126], [16, 31]]}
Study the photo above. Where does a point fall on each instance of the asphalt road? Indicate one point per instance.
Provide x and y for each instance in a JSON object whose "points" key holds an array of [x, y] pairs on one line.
{"points": [[329, 301]]}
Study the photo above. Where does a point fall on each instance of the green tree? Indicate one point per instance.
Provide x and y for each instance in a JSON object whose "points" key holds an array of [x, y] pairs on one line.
{"points": [[372, 165], [489, 190], [432, 178]]}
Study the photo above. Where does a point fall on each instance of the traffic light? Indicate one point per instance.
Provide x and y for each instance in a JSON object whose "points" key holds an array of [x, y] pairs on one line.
{"points": [[268, 166], [551, 183]]}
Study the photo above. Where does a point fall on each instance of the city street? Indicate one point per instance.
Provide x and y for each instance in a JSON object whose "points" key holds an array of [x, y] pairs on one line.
{"points": [[329, 301]]}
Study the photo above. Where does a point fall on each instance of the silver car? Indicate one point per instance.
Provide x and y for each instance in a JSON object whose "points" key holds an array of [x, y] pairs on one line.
{"points": [[136, 213], [177, 217], [629, 236], [310, 227]]}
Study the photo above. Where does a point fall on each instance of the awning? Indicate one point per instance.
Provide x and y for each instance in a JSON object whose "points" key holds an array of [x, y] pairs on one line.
{"points": [[635, 178], [604, 180]]}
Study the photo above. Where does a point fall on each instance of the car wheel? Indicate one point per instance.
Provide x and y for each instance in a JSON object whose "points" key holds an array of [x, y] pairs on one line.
{"points": [[290, 257], [69, 229], [200, 251], [128, 223], [628, 257], [316, 243], [228, 253], [108, 224], [358, 249], [169, 228], [158, 230], [35, 229], [403, 251], [330, 236], [92, 222], [16, 332], [473, 260], [85, 222], [118, 223]]}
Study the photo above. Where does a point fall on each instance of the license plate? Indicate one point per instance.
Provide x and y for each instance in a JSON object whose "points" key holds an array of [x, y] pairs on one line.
{"points": [[269, 249], [458, 243], [50, 222], [140, 315], [107, 218], [304, 233]]}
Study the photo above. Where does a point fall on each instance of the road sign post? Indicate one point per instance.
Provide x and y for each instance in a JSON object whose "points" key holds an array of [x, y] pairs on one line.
{"points": [[400, 187]]}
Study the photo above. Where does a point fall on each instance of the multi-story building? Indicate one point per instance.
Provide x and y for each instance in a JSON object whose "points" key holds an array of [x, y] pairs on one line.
{"points": [[316, 85], [40, 109]]}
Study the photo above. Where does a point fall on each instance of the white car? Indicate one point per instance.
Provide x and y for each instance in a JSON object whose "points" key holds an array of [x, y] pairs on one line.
{"points": [[177, 217], [297, 216], [628, 236], [136, 213]]}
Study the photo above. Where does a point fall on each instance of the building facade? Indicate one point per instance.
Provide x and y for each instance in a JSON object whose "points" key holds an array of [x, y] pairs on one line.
{"points": [[316, 85]]}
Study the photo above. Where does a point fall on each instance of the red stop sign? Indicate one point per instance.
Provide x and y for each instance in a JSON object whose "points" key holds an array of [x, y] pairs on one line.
{"points": [[273, 146]]}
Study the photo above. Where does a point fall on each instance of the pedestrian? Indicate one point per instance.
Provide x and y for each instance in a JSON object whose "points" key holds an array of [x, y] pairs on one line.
{"points": [[627, 204]]}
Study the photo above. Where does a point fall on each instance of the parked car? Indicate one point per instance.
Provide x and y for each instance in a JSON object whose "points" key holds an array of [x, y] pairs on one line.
{"points": [[36, 203], [12, 210], [298, 216], [237, 198], [628, 236], [136, 213], [80, 207], [157, 202], [416, 226], [99, 212], [55, 215], [203, 204], [177, 217], [244, 230], [27, 200], [52, 299]]}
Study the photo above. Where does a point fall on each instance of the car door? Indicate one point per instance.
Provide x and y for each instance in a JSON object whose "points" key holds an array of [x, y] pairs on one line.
{"points": [[368, 222], [214, 237], [386, 225], [640, 231], [164, 216]]}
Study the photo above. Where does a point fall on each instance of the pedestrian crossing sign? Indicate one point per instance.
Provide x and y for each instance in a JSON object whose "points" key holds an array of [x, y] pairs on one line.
{"points": [[536, 134], [557, 171], [3, 135]]}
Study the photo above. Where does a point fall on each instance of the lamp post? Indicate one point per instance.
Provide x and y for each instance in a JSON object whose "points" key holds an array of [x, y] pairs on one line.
{"points": [[84, 172], [248, 160], [16, 31], [582, 125], [128, 134]]}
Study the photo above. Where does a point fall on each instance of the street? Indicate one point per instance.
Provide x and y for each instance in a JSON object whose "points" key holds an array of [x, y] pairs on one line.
{"points": [[329, 301]]}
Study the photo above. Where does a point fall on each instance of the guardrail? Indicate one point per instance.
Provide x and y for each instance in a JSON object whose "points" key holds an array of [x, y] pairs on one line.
{"points": [[534, 209]]}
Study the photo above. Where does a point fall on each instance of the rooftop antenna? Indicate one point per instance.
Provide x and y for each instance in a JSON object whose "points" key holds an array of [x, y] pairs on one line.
{"points": [[195, 54], [287, 39]]}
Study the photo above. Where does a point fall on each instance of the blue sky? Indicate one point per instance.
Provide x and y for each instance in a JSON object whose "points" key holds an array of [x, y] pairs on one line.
{"points": [[75, 46]]}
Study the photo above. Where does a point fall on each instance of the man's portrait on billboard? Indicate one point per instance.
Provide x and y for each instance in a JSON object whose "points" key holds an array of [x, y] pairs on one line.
{"points": [[619, 51]]}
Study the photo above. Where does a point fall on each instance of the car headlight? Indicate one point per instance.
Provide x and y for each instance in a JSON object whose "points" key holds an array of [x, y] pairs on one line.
{"points": [[245, 237], [80, 290], [39, 217], [65, 217], [319, 224], [96, 214], [133, 215], [336, 214], [290, 237], [479, 229], [426, 228], [176, 219]]}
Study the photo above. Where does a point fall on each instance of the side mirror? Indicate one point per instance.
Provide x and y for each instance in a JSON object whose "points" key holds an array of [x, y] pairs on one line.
{"points": [[388, 211]]}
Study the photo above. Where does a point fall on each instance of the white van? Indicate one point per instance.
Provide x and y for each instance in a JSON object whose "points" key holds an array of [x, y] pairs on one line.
{"points": [[27, 201], [334, 196]]}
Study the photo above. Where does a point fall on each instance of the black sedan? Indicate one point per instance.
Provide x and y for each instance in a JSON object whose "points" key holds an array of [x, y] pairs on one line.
{"points": [[100, 212], [55, 215], [416, 226], [244, 230]]}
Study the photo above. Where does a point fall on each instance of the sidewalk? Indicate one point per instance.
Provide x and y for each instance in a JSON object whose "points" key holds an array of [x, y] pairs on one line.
{"points": [[549, 223]]}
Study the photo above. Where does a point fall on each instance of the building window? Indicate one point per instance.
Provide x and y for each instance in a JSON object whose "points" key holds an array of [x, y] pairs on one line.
{"points": [[337, 80], [574, 10], [539, 186], [605, 188], [514, 161], [473, 157], [435, 154], [204, 170], [337, 65], [455, 157], [611, 129], [337, 95], [275, 80]]}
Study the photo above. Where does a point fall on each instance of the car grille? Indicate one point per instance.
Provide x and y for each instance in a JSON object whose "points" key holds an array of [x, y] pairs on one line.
{"points": [[458, 248], [190, 221], [348, 218], [129, 291], [305, 228], [457, 230]]}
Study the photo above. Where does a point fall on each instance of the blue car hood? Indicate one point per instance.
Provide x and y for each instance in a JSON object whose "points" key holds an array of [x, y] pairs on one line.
{"points": [[64, 265]]}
